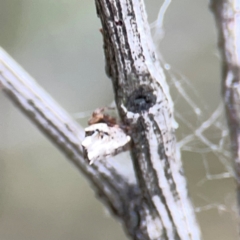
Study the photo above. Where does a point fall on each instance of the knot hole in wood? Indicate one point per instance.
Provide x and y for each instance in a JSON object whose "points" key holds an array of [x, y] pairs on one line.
{"points": [[141, 99]]}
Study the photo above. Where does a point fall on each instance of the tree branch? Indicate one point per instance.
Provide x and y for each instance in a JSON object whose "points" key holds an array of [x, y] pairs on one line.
{"points": [[110, 185], [226, 13], [157, 205], [144, 103]]}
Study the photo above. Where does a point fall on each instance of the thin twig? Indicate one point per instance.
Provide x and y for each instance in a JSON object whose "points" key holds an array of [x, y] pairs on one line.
{"points": [[112, 187], [156, 206], [226, 14], [144, 104]]}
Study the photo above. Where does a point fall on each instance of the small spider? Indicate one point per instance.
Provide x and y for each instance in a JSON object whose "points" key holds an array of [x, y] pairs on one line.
{"points": [[104, 137]]}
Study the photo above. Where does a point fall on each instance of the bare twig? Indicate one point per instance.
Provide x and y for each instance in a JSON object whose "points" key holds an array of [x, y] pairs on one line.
{"points": [[156, 206], [143, 100], [112, 187], [226, 14]]}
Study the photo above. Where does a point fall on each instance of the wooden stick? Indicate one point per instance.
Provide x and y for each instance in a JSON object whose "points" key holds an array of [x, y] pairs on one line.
{"points": [[144, 103], [226, 13], [156, 205]]}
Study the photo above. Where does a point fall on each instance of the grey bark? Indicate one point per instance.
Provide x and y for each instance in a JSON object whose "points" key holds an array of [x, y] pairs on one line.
{"points": [[226, 13], [157, 206]]}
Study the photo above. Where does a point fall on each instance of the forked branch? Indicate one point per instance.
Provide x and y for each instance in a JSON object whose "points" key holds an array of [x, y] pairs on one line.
{"points": [[157, 205]]}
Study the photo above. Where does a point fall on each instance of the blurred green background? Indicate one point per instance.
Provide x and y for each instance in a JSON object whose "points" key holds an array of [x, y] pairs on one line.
{"points": [[42, 196]]}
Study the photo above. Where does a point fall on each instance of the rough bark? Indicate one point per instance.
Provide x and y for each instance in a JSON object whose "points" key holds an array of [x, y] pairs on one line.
{"points": [[226, 13], [144, 103], [156, 206]]}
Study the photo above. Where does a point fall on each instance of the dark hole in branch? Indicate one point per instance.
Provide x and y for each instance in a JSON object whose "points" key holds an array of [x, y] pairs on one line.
{"points": [[141, 100]]}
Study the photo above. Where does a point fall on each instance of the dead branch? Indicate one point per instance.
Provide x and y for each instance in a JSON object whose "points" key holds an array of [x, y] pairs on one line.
{"points": [[226, 13], [157, 205]]}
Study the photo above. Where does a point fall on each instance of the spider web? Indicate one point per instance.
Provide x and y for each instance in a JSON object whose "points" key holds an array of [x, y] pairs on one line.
{"points": [[202, 131]]}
